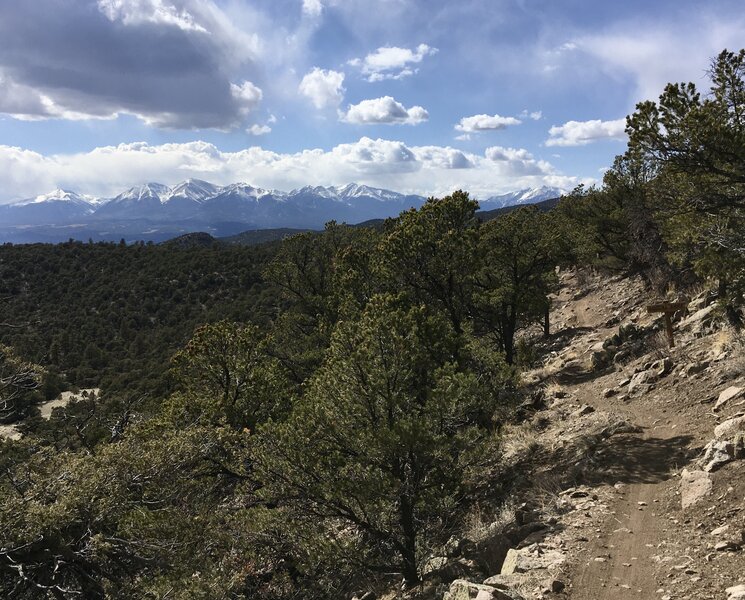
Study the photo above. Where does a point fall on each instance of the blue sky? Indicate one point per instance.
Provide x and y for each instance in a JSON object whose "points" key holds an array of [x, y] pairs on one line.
{"points": [[420, 97]]}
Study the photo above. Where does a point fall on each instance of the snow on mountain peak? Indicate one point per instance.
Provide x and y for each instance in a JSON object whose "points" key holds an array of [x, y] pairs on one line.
{"points": [[58, 195]]}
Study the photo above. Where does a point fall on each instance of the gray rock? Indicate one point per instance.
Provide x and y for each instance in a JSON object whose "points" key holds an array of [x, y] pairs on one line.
{"points": [[461, 589], [729, 428], [644, 378], [530, 559], [716, 454], [609, 392], [583, 410], [736, 592], [663, 367], [696, 368], [730, 393], [694, 486]]}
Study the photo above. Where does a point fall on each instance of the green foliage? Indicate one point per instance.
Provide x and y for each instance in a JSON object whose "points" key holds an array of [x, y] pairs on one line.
{"points": [[517, 254], [697, 144], [109, 316], [226, 375], [384, 438], [18, 382], [429, 253]]}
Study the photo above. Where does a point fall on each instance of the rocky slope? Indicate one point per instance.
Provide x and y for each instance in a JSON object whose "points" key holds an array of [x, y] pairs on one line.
{"points": [[630, 473]]}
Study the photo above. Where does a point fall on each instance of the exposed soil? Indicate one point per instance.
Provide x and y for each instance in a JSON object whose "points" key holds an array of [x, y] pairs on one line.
{"points": [[638, 541]]}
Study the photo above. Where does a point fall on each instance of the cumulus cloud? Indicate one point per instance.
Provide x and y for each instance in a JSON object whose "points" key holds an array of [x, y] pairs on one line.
{"points": [[478, 123], [581, 133], [386, 111], [325, 89], [259, 129], [391, 164], [392, 62], [171, 63], [519, 161], [312, 8]]}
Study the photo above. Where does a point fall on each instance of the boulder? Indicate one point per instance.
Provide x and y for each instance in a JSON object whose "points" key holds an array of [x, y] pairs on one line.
{"points": [[716, 454], [736, 592], [730, 393], [694, 486], [640, 382], [729, 428], [529, 559], [701, 315]]}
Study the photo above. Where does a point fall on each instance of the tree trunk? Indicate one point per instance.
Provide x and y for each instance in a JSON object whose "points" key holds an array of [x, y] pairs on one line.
{"points": [[408, 553], [546, 322]]}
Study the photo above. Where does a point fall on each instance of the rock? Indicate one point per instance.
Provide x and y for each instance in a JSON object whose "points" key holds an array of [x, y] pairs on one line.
{"points": [[609, 392], [597, 347], [663, 367], [624, 382], [641, 379], [726, 546], [696, 368], [461, 589], [583, 410], [556, 586], [719, 531], [716, 454], [700, 315], [736, 592], [730, 393], [529, 559], [490, 551], [641, 390], [694, 486], [729, 428]]}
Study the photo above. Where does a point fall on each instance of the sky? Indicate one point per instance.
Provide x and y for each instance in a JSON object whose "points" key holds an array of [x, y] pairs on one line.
{"points": [[416, 96]]}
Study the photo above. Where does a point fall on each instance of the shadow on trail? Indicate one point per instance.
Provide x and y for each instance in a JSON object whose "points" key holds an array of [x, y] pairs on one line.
{"points": [[631, 458]]}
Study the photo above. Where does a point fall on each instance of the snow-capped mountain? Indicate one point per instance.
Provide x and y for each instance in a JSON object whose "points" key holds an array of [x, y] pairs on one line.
{"points": [[524, 196], [60, 207], [157, 211]]}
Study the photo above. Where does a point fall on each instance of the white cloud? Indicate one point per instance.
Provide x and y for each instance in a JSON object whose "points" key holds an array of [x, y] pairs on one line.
{"points": [[654, 55], [391, 164], [385, 110], [478, 123], [247, 96], [519, 161], [324, 88], [259, 129], [392, 62], [581, 133], [137, 12], [312, 8]]}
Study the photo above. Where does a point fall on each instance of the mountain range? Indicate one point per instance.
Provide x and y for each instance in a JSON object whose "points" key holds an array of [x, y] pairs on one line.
{"points": [[157, 212]]}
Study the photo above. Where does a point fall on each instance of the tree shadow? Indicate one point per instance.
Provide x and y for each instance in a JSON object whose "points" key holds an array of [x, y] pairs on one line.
{"points": [[632, 458]]}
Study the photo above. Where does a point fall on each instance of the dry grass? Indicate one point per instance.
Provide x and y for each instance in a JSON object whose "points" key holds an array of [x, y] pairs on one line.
{"points": [[481, 524]]}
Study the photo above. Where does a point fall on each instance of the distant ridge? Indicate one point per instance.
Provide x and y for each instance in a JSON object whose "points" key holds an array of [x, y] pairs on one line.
{"points": [[156, 212]]}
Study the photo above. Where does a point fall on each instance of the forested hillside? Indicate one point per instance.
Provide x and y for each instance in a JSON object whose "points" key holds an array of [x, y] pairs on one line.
{"points": [[335, 423], [112, 315]]}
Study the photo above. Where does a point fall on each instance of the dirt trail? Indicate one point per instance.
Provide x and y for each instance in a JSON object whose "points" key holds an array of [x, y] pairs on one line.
{"points": [[639, 543], [624, 556]]}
